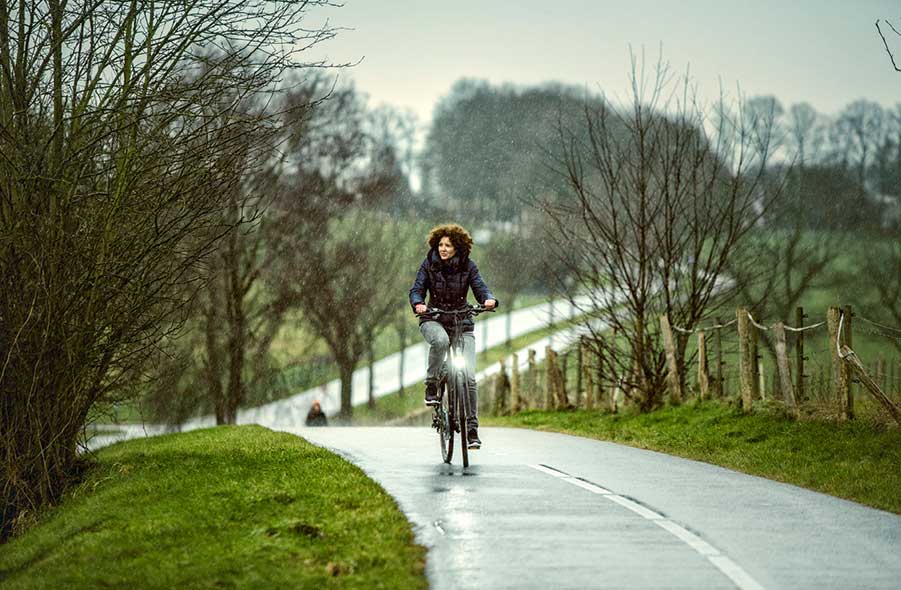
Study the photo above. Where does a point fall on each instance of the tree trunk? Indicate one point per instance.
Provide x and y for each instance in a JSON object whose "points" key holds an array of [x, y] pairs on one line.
{"points": [[346, 369], [508, 322], [402, 336], [236, 351], [213, 370], [237, 330], [370, 354]]}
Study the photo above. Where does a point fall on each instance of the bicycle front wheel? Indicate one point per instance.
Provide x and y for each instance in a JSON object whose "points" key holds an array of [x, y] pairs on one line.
{"points": [[462, 414], [444, 417]]}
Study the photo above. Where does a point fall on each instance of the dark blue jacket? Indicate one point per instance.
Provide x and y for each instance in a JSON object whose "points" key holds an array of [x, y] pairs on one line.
{"points": [[447, 284]]}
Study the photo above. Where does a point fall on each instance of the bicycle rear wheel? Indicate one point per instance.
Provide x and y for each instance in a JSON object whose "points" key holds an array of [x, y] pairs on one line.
{"points": [[443, 414]]}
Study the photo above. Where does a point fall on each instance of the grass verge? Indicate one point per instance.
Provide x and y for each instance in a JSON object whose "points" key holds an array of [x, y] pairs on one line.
{"points": [[853, 461], [228, 507]]}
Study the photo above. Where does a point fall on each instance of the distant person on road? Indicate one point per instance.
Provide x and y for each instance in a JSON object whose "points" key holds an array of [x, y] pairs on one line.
{"points": [[447, 274], [316, 417]]}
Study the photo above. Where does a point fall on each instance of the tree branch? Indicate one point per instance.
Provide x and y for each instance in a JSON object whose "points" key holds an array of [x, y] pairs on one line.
{"points": [[885, 43]]}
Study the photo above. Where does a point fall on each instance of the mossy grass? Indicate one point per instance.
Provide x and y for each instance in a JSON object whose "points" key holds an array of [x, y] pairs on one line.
{"points": [[856, 460], [227, 507]]}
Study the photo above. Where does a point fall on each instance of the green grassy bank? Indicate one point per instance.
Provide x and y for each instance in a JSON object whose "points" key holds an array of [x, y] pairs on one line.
{"points": [[229, 507], [854, 460]]}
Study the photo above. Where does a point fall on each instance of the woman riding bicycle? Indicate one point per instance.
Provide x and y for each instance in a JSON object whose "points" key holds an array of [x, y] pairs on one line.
{"points": [[447, 274]]}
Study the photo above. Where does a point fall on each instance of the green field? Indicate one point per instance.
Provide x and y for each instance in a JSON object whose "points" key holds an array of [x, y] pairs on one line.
{"points": [[228, 507], [855, 460]]}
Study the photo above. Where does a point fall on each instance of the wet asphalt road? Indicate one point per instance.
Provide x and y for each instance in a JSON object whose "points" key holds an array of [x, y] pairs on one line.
{"points": [[543, 510]]}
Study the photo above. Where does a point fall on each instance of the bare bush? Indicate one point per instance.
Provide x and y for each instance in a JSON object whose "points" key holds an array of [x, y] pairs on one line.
{"points": [[123, 140], [659, 198]]}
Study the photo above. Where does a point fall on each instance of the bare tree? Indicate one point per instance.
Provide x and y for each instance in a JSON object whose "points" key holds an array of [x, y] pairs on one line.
{"points": [[762, 121], [804, 133], [119, 159], [859, 132], [344, 282], [344, 173], [780, 261], [513, 265], [881, 267], [790, 251], [410, 244], [241, 317], [659, 199]]}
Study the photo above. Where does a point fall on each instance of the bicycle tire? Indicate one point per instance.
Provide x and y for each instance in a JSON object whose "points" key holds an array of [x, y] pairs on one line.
{"points": [[446, 426], [462, 402]]}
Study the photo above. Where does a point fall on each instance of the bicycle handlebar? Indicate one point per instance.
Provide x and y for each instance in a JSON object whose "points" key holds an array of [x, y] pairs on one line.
{"points": [[470, 309]]}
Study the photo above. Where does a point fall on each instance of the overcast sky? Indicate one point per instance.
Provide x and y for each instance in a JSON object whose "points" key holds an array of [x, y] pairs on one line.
{"points": [[825, 52]]}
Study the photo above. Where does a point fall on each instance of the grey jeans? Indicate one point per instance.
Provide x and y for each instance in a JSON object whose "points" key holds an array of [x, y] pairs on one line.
{"points": [[439, 342]]}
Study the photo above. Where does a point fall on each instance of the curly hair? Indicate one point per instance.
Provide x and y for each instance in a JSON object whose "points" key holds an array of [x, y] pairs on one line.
{"points": [[459, 237]]}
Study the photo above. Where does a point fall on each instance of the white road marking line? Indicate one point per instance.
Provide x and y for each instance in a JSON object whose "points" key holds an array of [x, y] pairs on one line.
{"points": [[636, 507], [696, 542], [735, 572], [730, 569], [587, 485], [550, 471]]}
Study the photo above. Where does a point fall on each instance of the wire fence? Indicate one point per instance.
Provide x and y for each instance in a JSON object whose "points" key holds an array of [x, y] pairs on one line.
{"points": [[802, 366]]}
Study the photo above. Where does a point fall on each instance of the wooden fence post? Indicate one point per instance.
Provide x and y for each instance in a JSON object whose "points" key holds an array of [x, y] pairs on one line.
{"points": [[669, 344], [501, 384], [848, 401], [785, 379], [756, 389], [598, 376], [799, 355], [561, 401], [720, 386], [849, 357], [532, 393], [744, 349], [549, 374], [832, 316], [615, 380], [703, 379], [615, 385], [580, 360], [840, 375], [515, 396], [589, 382]]}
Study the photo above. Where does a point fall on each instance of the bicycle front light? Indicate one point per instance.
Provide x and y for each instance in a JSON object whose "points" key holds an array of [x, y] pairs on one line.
{"points": [[459, 361]]}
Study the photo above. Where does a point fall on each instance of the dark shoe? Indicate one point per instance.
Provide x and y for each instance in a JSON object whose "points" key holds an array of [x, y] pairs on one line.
{"points": [[473, 437], [431, 394]]}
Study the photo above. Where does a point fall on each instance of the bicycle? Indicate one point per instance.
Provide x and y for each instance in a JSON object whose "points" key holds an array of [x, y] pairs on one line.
{"points": [[452, 410]]}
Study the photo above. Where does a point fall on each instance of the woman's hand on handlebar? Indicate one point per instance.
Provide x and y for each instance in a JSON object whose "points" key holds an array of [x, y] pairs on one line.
{"points": [[420, 308], [489, 304]]}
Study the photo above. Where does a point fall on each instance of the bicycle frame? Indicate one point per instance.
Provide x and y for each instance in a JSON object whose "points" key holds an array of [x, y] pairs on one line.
{"points": [[455, 415]]}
